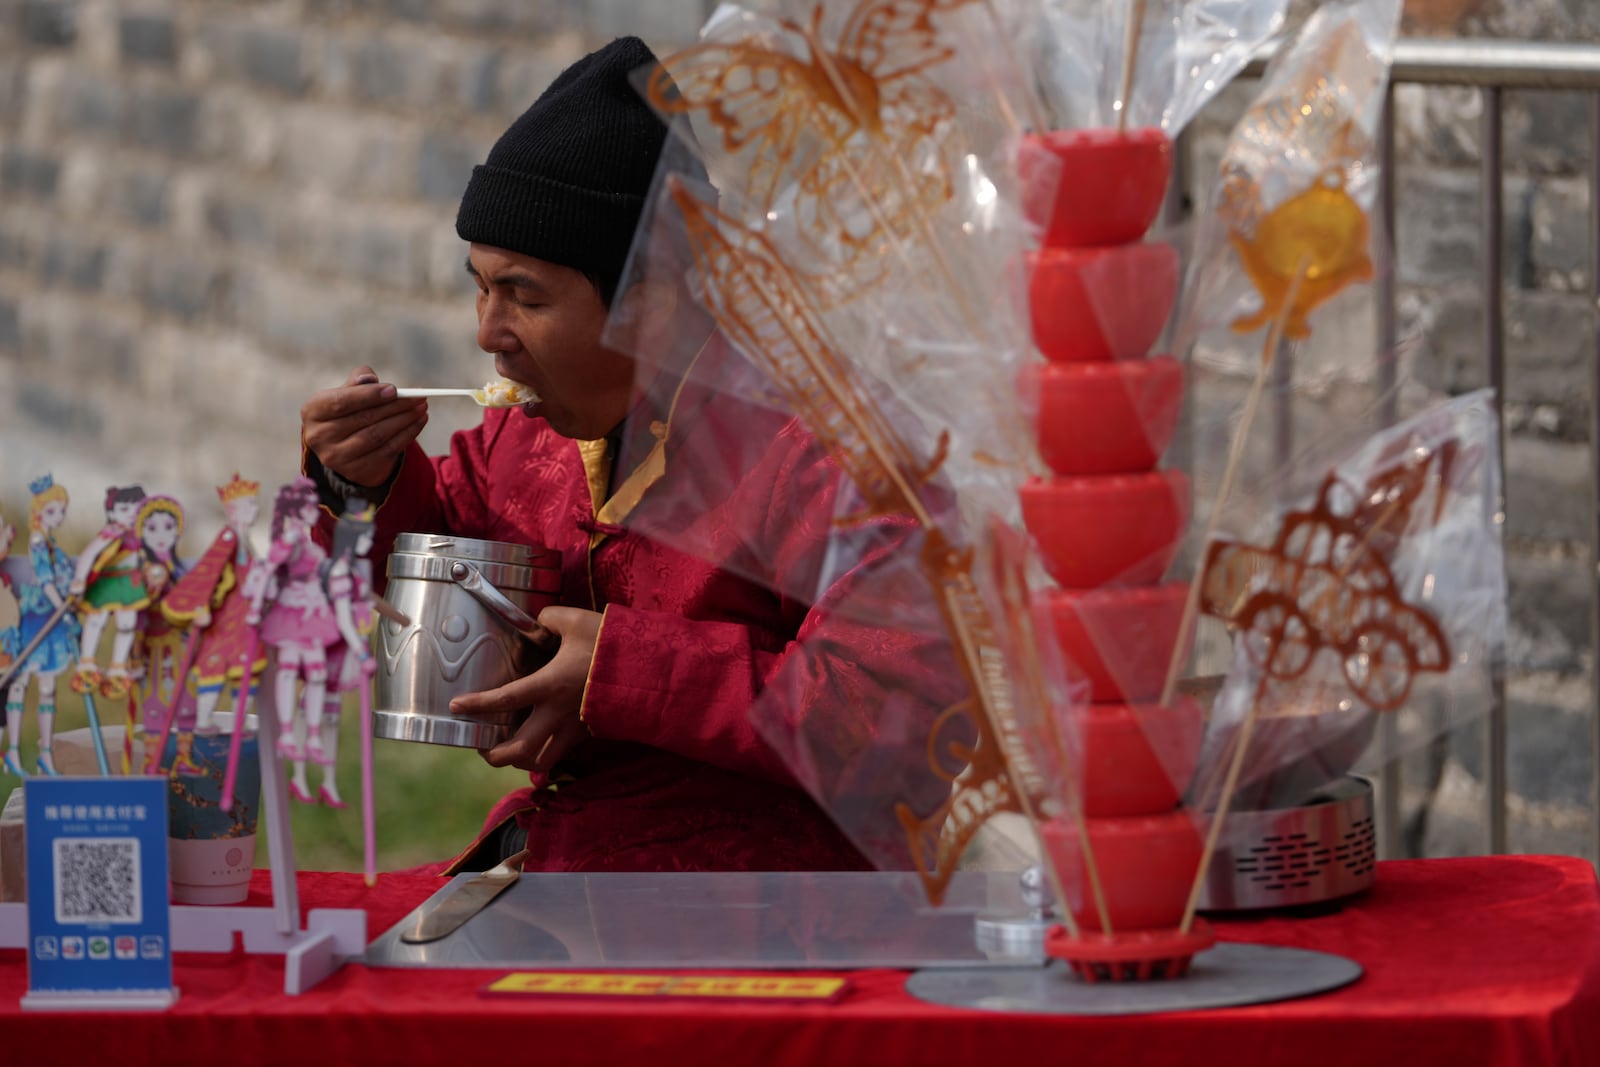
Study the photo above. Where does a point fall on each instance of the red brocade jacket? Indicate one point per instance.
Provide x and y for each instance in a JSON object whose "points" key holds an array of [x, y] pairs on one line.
{"points": [[675, 775]]}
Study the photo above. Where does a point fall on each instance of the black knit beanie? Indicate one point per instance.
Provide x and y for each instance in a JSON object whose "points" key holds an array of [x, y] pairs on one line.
{"points": [[567, 182]]}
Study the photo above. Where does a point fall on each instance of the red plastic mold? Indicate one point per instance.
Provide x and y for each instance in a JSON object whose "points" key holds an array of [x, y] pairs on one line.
{"points": [[1100, 303], [1094, 187], [1105, 418]]}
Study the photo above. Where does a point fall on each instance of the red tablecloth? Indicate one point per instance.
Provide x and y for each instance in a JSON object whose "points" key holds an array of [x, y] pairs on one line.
{"points": [[1468, 961]]}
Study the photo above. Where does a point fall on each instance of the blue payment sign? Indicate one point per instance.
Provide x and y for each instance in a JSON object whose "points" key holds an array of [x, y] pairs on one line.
{"points": [[99, 930]]}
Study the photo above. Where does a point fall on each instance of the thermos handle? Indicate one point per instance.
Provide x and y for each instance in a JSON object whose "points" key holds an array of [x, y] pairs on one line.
{"points": [[468, 577]]}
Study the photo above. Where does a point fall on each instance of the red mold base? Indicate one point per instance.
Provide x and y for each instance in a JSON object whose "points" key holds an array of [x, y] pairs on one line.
{"points": [[1131, 955]]}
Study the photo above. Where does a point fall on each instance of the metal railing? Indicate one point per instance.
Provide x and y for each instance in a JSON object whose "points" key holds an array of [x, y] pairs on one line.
{"points": [[1493, 67]]}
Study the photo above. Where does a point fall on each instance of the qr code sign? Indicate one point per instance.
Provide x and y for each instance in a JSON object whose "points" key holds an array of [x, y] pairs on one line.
{"points": [[97, 880]]}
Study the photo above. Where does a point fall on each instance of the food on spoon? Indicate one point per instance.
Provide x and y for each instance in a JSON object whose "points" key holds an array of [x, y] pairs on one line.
{"points": [[504, 393]]}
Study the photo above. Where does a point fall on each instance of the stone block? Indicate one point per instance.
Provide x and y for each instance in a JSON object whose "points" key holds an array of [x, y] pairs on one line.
{"points": [[1547, 604], [447, 257], [49, 23], [57, 407], [238, 216], [241, 129], [101, 347], [386, 254], [407, 10], [348, 154], [1438, 126], [163, 118], [74, 348], [480, 81], [445, 162], [394, 71], [495, 16], [10, 326], [1562, 249], [83, 190], [293, 313], [1547, 752], [384, 247], [15, 249], [147, 38], [1548, 493], [71, 260], [202, 368], [141, 196], [13, 88], [88, 103], [272, 57], [1546, 132], [433, 349], [522, 76], [659, 21], [1547, 345], [1440, 17], [179, 284], [29, 172], [1582, 17], [1439, 227]]}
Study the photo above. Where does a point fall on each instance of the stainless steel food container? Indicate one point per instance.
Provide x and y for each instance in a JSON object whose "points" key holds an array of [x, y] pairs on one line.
{"points": [[466, 600]]}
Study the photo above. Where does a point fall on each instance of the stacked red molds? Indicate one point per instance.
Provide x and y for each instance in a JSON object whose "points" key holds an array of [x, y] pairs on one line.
{"points": [[1108, 523]]}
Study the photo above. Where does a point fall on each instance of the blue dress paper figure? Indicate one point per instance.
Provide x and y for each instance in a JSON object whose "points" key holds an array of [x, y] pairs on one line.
{"points": [[40, 581]]}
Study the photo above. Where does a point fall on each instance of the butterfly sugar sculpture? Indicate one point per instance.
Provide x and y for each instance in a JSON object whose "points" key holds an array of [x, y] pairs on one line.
{"points": [[844, 132]]}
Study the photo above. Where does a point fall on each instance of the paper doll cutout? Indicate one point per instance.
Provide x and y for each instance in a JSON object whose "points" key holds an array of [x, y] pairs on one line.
{"points": [[110, 584], [347, 581], [45, 638], [209, 601], [159, 648], [298, 622]]}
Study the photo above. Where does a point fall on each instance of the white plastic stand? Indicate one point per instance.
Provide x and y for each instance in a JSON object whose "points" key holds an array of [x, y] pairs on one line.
{"points": [[330, 937]]}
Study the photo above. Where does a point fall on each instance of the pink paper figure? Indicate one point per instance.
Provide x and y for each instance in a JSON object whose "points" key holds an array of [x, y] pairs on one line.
{"points": [[45, 638], [110, 584], [299, 623], [211, 602], [158, 650], [347, 581]]}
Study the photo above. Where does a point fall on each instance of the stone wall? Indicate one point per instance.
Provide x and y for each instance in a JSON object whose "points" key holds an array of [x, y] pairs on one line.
{"points": [[208, 209]]}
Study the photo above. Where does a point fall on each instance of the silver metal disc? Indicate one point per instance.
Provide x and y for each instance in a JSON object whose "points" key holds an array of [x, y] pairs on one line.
{"points": [[1018, 937], [435, 730], [1227, 975]]}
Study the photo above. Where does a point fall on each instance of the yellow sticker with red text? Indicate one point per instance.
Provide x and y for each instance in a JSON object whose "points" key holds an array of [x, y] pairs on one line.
{"points": [[805, 988]]}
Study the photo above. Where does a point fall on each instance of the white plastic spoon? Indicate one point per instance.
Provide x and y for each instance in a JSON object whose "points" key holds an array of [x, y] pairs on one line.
{"points": [[500, 393]]}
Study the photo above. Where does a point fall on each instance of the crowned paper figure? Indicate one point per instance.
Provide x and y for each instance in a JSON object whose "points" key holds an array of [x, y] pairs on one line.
{"points": [[110, 585], [209, 600], [45, 638], [158, 650], [298, 622]]}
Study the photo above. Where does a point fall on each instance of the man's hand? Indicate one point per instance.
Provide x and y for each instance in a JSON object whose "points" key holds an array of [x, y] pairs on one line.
{"points": [[553, 693], [360, 429]]}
